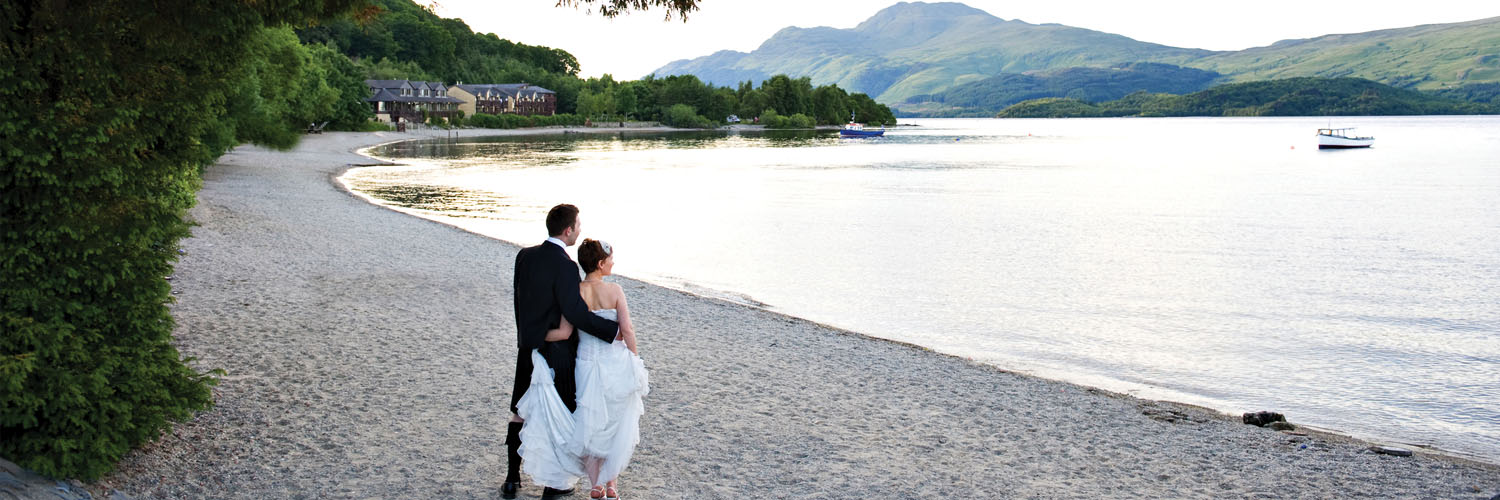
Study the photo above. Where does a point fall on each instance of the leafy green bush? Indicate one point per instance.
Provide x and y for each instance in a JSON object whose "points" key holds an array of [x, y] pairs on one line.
{"points": [[108, 115], [684, 116], [773, 120], [508, 121]]}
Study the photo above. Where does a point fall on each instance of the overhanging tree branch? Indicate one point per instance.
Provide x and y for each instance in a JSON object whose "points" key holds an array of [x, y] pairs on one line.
{"points": [[612, 8]]}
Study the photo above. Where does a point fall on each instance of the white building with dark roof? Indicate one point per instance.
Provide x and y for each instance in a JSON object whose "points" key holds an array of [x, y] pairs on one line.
{"points": [[410, 101]]}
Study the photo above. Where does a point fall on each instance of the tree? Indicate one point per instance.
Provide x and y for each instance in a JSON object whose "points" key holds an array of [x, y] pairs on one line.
{"points": [[830, 105], [350, 111], [108, 114], [595, 105], [788, 96], [625, 100], [753, 103], [612, 8]]}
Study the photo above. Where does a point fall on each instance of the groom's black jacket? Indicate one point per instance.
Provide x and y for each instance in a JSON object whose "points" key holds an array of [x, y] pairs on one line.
{"points": [[546, 289]]}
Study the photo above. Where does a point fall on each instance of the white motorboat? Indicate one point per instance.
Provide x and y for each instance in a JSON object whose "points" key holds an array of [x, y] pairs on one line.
{"points": [[1342, 138]]}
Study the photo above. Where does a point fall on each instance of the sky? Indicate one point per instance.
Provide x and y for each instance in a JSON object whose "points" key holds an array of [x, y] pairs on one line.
{"points": [[633, 45]]}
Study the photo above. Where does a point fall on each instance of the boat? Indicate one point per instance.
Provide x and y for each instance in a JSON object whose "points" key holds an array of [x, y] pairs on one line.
{"points": [[852, 129], [1342, 138]]}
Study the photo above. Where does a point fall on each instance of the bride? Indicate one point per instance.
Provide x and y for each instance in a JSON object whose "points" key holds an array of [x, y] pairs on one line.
{"points": [[598, 438]]}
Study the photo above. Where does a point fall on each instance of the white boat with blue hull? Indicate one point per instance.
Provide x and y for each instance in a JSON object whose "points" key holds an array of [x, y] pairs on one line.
{"points": [[1342, 138], [853, 129]]}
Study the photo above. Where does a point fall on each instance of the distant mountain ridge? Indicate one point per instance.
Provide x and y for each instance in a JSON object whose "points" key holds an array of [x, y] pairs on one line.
{"points": [[920, 49]]}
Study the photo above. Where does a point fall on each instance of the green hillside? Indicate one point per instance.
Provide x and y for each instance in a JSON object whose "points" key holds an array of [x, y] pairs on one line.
{"points": [[1431, 56], [985, 97], [948, 53], [1303, 96]]}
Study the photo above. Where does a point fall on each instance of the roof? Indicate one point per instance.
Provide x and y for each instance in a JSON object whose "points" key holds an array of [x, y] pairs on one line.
{"points": [[512, 89], [383, 91], [382, 95]]}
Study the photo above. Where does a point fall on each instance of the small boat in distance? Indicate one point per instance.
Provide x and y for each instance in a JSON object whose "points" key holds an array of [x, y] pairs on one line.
{"points": [[852, 129], [1342, 138]]}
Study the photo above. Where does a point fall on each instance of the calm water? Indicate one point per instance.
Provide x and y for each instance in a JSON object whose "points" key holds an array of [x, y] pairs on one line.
{"points": [[1222, 261]]}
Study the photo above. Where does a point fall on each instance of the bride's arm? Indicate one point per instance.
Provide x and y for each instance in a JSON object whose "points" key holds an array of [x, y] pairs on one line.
{"points": [[561, 333], [627, 330]]}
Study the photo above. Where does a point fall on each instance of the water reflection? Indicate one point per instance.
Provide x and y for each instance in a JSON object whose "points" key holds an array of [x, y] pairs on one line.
{"points": [[449, 201], [1144, 256]]}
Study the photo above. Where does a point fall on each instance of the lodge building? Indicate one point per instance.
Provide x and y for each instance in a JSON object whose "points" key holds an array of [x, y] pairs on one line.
{"points": [[407, 101], [515, 98], [411, 101]]}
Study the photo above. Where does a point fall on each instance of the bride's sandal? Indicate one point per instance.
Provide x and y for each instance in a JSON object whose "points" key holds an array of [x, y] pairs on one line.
{"points": [[596, 492], [610, 494]]}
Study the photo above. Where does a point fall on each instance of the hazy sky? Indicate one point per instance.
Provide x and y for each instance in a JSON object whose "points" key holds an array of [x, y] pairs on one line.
{"points": [[633, 45]]}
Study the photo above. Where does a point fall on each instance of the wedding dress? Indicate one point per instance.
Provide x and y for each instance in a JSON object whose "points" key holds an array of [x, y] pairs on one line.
{"points": [[610, 381]]}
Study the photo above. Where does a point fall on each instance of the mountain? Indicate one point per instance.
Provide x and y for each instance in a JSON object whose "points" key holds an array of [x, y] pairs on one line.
{"points": [[985, 97], [1430, 56], [924, 49], [1299, 96], [921, 48]]}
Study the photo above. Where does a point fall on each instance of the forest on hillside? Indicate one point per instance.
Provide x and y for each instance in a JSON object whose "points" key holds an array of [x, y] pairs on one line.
{"points": [[1306, 96]]}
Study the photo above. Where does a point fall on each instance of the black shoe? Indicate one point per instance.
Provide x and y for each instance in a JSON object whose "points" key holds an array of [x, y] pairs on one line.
{"points": [[550, 492], [509, 489]]}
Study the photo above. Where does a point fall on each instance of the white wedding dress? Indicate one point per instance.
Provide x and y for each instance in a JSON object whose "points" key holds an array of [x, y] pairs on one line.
{"points": [[610, 381]]}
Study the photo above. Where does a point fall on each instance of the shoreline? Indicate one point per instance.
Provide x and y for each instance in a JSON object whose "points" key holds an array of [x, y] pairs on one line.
{"points": [[1098, 383], [277, 287]]}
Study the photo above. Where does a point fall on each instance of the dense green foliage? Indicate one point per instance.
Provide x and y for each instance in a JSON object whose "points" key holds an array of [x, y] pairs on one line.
{"points": [[483, 120], [987, 96], [404, 41], [1475, 92], [686, 101], [108, 113], [1289, 97]]}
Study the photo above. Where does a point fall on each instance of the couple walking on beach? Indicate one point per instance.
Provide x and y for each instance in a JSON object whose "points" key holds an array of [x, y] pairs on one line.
{"points": [[576, 402]]}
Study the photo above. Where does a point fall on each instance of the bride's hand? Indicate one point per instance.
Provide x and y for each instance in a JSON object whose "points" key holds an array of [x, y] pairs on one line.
{"points": [[561, 333]]}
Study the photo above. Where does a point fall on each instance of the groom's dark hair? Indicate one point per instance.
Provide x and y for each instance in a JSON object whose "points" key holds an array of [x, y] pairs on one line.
{"points": [[560, 218]]}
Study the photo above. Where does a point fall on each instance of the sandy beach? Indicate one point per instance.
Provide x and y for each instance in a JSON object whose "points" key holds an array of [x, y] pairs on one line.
{"points": [[369, 354]]}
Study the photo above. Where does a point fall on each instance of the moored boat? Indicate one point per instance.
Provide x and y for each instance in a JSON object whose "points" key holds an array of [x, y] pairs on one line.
{"points": [[1342, 138], [852, 129]]}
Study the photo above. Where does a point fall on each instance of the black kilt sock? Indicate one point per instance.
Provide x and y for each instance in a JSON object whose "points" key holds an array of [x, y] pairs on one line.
{"points": [[512, 447]]}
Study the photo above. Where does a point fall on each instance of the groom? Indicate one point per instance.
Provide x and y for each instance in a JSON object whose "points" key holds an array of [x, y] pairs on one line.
{"points": [[546, 290]]}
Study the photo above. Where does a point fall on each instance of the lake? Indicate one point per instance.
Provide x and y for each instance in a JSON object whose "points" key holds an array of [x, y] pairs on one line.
{"points": [[1224, 262]]}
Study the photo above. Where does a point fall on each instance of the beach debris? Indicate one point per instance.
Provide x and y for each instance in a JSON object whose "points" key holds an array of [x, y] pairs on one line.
{"points": [[1281, 426], [1294, 433], [1262, 418], [1170, 416], [1391, 450]]}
